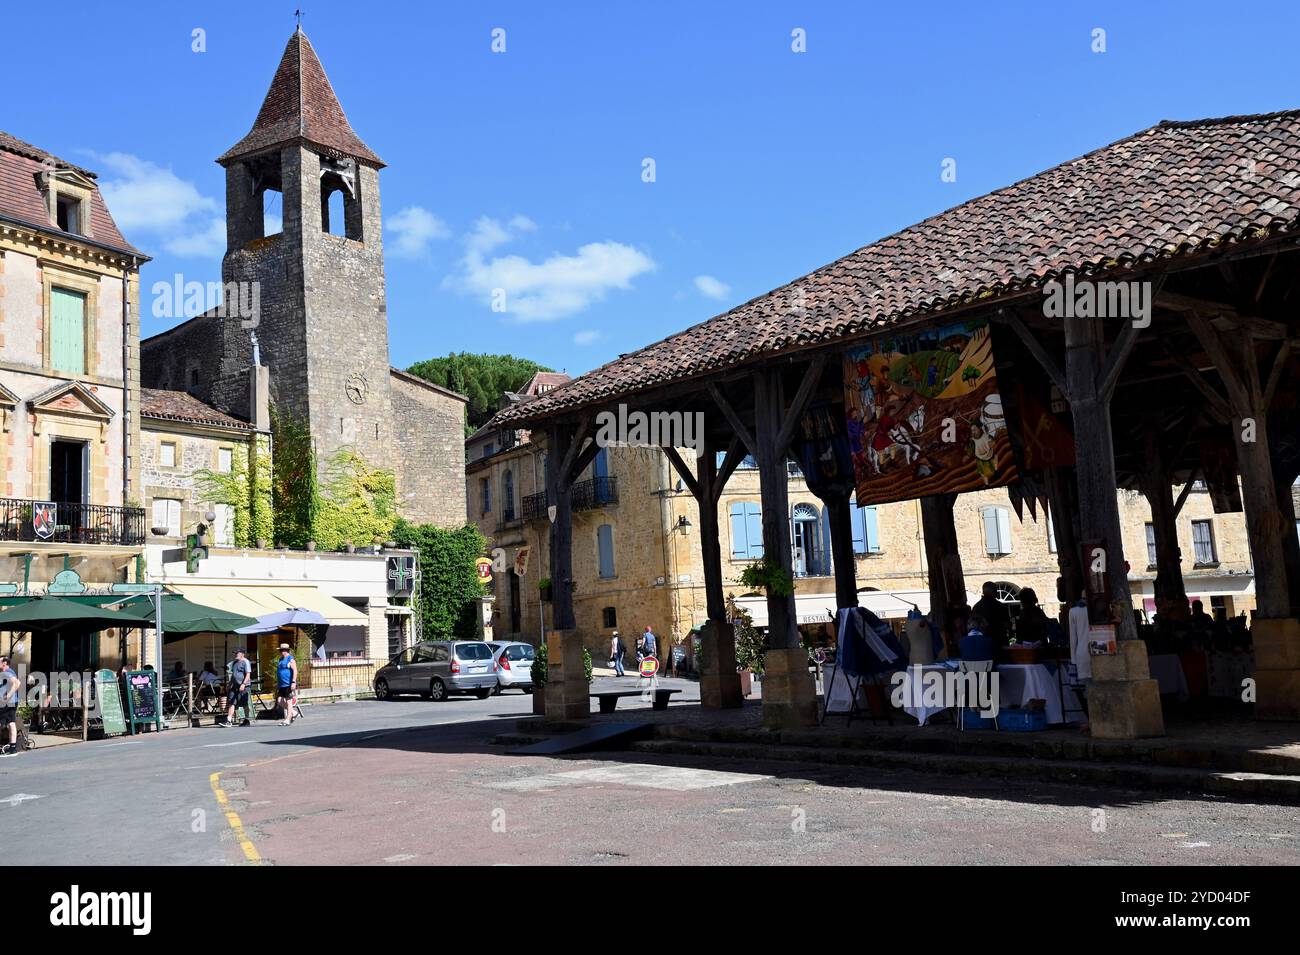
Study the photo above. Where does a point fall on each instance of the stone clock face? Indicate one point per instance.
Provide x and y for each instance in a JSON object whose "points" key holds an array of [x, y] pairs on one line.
{"points": [[356, 389]]}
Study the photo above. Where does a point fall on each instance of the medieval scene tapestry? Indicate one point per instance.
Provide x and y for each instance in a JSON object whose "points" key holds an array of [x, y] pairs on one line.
{"points": [[925, 416]]}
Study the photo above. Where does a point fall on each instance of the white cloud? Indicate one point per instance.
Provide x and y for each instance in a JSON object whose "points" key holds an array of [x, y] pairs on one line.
{"points": [[149, 199], [412, 229], [555, 287], [710, 287], [586, 337]]}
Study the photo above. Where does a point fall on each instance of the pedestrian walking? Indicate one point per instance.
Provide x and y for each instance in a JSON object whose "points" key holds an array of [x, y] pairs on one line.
{"points": [[241, 672], [649, 639], [10, 697], [616, 651], [286, 679]]}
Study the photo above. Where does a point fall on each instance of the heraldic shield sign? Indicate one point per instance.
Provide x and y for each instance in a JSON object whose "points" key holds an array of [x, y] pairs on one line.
{"points": [[925, 416], [44, 519]]}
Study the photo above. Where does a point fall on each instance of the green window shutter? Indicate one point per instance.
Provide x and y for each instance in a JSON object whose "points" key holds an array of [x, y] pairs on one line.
{"points": [[68, 331]]}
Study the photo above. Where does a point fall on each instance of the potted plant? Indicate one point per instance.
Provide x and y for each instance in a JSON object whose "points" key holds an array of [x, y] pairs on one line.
{"points": [[544, 588], [768, 575], [751, 646], [540, 673]]}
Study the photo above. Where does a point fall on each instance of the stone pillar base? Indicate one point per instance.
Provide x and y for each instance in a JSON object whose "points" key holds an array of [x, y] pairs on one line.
{"points": [[1277, 668], [1123, 700], [566, 680], [719, 681], [789, 691]]}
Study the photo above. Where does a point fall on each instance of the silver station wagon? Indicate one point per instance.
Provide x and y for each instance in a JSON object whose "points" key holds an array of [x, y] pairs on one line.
{"points": [[438, 668]]}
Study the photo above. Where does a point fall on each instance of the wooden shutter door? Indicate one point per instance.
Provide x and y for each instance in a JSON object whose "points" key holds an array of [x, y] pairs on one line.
{"points": [[68, 331]]}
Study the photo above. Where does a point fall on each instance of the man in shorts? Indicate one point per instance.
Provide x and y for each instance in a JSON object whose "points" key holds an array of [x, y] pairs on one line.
{"points": [[241, 672], [286, 679], [10, 697]]}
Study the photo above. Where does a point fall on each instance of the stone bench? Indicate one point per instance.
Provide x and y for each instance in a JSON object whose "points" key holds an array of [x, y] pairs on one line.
{"points": [[609, 698]]}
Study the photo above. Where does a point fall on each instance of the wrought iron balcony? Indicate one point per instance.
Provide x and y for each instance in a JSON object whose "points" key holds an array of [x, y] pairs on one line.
{"points": [[586, 495], [55, 522]]}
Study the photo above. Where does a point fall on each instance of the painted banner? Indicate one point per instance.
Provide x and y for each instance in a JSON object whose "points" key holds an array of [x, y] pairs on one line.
{"points": [[925, 416]]}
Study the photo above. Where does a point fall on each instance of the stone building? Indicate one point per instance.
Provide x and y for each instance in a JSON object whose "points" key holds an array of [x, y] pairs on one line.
{"points": [[312, 298], [69, 389], [637, 562]]}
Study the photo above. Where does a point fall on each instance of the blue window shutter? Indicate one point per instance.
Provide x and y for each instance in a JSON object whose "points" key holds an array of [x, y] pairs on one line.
{"points": [[825, 558], [858, 520], [871, 530], [600, 464], [739, 535], [605, 548], [754, 523]]}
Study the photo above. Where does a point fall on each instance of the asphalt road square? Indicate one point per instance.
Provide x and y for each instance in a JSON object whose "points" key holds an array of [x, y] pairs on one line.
{"points": [[640, 775]]}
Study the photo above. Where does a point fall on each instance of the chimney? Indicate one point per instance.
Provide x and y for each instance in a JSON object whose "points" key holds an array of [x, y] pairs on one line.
{"points": [[259, 397]]}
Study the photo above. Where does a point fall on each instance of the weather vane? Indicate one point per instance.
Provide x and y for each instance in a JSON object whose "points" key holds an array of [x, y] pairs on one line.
{"points": [[298, 14]]}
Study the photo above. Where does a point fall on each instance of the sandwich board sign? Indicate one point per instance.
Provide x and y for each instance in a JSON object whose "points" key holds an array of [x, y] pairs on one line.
{"points": [[142, 698], [108, 697]]}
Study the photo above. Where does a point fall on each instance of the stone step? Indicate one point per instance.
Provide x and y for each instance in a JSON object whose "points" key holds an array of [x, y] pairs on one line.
{"points": [[1166, 752], [1272, 788]]}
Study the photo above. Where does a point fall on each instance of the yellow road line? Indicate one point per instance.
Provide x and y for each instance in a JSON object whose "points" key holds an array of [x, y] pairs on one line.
{"points": [[232, 818]]}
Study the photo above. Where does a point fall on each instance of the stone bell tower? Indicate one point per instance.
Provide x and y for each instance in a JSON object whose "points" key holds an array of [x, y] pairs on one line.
{"points": [[318, 274]]}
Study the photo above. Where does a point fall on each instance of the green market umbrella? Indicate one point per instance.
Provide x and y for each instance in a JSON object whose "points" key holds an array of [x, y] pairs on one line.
{"points": [[183, 618], [51, 614]]}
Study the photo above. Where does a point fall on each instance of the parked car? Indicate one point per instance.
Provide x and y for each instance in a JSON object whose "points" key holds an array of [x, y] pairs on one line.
{"points": [[438, 668], [514, 664]]}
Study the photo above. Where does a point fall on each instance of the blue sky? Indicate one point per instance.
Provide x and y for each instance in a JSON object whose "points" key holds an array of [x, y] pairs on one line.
{"points": [[524, 169]]}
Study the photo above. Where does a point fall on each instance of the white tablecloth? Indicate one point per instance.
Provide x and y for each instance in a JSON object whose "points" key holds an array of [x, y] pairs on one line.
{"points": [[1167, 671], [838, 692], [1018, 683]]}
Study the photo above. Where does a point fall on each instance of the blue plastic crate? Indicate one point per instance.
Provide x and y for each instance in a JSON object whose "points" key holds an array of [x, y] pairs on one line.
{"points": [[973, 721], [1022, 721]]}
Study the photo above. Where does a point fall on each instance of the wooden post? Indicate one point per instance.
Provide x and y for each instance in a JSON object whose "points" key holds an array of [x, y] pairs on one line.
{"points": [[719, 681], [943, 565], [559, 496], [1156, 484], [838, 500], [1274, 632], [1124, 702], [1063, 498]]}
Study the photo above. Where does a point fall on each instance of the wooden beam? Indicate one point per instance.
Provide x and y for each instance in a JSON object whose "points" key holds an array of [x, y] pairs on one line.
{"points": [[1188, 304], [1233, 378], [733, 419], [1217, 404], [1187, 489], [811, 379], [1110, 372], [565, 473], [683, 472], [1275, 375], [1045, 360], [735, 454]]}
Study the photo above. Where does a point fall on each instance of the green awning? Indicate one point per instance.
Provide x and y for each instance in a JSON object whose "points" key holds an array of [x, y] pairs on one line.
{"points": [[51, 614], [184, 617]]}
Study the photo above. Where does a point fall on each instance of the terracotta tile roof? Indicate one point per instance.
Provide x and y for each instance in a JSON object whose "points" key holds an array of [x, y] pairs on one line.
{"points": [[21, 199], [180, 406], [1172, 190], [301, 105]]}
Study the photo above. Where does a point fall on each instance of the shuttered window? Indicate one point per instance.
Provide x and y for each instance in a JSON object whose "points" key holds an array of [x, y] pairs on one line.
{"points": [[167, 513], [605, 549], [997, 530], [746, 531], [866, 529], [67, 331]]}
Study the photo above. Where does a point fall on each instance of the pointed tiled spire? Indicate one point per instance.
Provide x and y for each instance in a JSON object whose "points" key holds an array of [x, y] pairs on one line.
{"points": [[301, 105]]}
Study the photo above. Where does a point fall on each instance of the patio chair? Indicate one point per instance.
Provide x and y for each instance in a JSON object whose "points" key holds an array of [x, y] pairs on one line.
{"points": [[970, 666]]}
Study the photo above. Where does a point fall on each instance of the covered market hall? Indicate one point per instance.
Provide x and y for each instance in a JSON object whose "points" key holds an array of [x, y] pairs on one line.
{"points": [[1127, 320]]}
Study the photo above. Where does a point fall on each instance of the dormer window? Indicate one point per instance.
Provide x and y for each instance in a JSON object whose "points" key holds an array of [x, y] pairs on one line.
{"points": [[67, 200], [69, 214]]}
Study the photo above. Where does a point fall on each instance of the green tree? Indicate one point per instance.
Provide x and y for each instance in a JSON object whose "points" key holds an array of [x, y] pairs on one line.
{"points": [[480, 378], [449, 582]]}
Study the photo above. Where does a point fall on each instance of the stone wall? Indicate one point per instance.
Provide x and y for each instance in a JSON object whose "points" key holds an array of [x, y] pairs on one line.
{"points": [[428, 449], [196, 450]]}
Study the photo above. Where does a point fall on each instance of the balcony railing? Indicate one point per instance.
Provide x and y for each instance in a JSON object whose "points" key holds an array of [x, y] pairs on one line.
{"points": [[586, 495], [60, 523]]}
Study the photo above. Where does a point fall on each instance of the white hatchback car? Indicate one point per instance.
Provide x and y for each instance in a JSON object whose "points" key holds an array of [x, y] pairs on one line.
{"points": [[514, 663]]}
